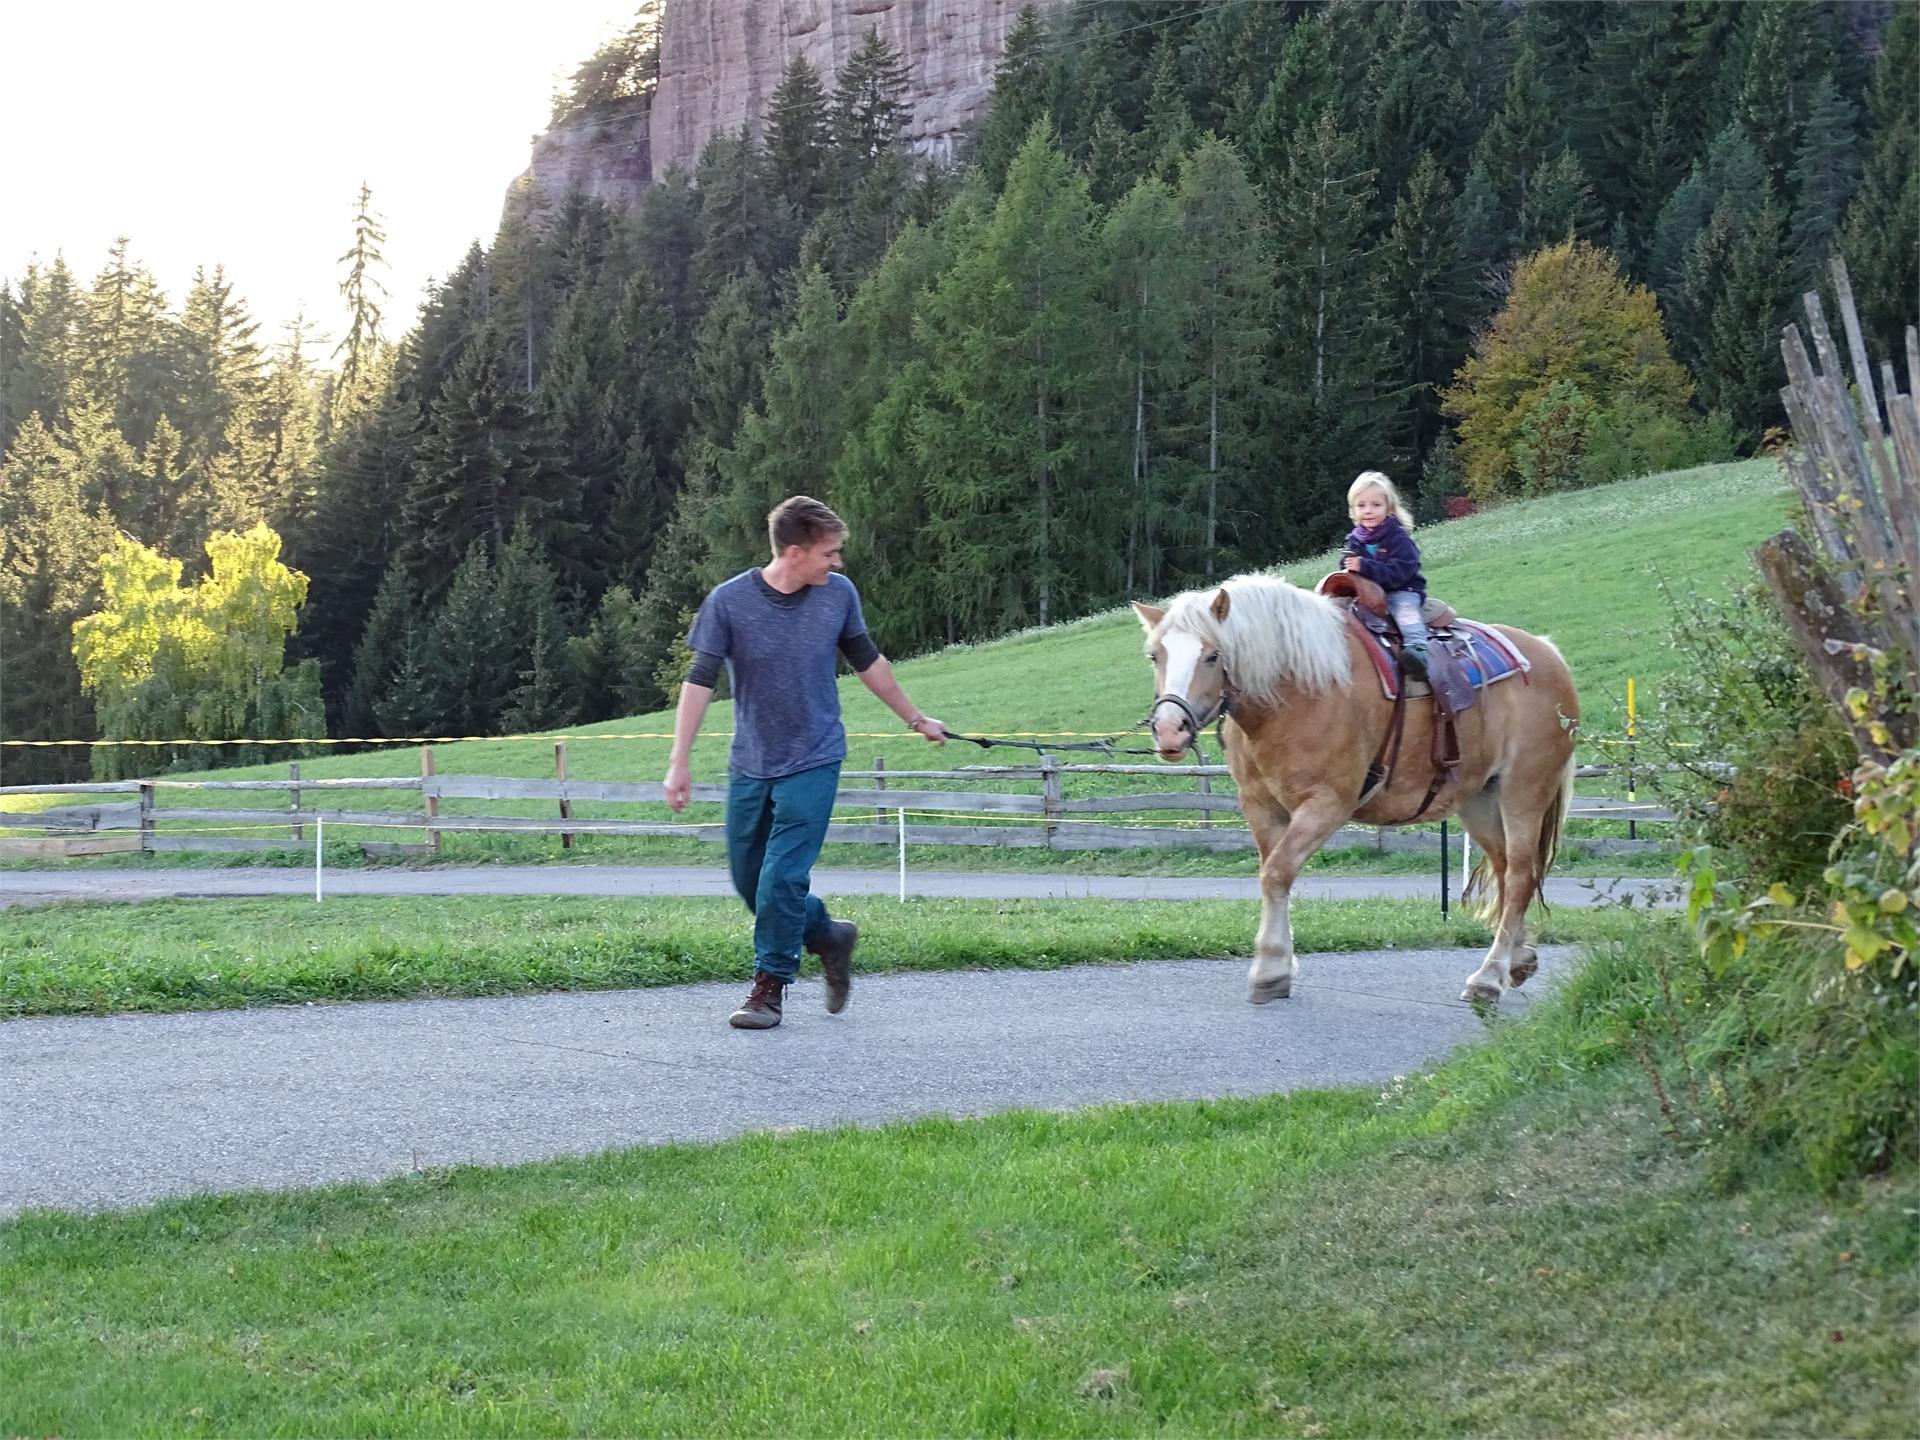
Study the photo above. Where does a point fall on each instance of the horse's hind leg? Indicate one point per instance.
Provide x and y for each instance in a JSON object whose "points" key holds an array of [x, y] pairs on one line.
{"points": [[1480, 816], [1511, 961]]}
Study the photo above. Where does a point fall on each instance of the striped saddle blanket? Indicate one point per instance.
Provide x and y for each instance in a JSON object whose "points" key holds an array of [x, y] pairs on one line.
{"points": [[1480, 656]]}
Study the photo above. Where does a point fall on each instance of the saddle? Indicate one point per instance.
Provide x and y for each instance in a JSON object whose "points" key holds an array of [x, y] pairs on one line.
{"points": [[1448, 682]]}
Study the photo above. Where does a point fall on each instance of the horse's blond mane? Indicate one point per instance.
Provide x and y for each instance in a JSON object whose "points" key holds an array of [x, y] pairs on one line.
{"points": [[1275, 633]]}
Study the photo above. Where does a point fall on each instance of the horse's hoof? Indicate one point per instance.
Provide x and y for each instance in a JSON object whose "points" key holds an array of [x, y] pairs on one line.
{"points": [[1261, 991], [1481, 995], [1524, 968]]}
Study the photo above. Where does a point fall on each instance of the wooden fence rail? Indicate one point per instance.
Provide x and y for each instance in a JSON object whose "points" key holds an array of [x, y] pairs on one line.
{"points": [[1046, 818]]}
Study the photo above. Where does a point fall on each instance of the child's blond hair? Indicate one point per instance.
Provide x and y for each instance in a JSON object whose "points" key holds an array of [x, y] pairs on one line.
{"points": [[1376, 480]]}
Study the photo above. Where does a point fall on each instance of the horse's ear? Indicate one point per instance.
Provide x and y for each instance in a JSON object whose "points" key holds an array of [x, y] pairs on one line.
{"points": [[1149, 616], [1221, 604]]}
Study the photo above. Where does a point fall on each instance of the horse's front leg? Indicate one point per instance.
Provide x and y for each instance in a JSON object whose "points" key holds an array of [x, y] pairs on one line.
{"points": [[1274, 963]]}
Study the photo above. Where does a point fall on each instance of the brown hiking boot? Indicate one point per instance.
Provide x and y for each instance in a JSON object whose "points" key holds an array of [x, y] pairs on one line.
{"points": [[761, 1009], [836, 963]]}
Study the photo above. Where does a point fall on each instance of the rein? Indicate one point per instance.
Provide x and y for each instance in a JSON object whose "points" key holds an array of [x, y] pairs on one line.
{"points": [[1110, 746]]}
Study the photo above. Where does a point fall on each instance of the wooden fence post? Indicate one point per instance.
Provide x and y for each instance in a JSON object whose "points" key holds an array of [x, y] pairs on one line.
{"points": [[146, 818], [566, 805], [433, 801], [880, 783], [1050, 797], [293, 797], [1206, 788]]}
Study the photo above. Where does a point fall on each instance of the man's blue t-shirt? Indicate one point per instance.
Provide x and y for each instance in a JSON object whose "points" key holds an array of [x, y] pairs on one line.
{"points": [[781, 652]]}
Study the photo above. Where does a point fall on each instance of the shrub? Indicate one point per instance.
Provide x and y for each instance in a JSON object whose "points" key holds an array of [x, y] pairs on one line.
{"points": [[1743, 699], [1570, 317], [1553, 439]]}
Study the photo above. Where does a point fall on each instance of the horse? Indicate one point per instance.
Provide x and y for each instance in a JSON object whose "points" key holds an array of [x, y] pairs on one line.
{"points": [[1304, 740]]}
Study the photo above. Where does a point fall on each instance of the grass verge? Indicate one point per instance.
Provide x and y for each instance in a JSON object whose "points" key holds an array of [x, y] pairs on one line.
{"points": [[1317, 1265], [218, 954]]}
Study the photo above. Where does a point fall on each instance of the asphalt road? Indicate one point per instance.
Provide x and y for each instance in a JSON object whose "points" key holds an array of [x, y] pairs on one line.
{"points": [[40, 886], [122, 1110]]}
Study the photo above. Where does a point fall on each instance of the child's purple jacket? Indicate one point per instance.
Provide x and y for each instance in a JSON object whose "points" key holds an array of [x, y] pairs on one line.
{"points": [[1388, 556]]}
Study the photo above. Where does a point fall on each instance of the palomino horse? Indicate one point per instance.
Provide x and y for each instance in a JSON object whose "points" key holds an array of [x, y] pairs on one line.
{"points": [[1300, 732]]}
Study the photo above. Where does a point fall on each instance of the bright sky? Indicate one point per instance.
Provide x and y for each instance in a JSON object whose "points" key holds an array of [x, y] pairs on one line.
{"points": [[237, 132]]}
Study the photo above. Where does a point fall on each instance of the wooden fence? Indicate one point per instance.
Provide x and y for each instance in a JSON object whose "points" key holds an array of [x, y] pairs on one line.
{"points": [[1047, 818]]}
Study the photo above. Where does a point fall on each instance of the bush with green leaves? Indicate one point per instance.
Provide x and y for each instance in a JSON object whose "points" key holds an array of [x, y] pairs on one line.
{"points": [[1743, 701]]}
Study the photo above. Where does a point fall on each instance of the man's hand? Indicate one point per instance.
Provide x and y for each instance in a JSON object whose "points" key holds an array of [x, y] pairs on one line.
{"points": [[1352, 562], [931, 728], [679, 785]]}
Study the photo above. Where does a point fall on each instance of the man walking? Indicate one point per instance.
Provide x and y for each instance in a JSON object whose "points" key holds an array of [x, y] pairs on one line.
{"points": [[778, 630]]}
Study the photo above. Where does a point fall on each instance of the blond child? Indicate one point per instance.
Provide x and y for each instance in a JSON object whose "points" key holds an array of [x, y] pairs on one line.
{"points": [[1380, 548]]}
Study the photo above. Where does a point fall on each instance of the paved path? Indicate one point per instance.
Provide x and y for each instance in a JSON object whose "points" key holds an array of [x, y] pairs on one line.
{"points": [[39, 886], [126, 1109]]}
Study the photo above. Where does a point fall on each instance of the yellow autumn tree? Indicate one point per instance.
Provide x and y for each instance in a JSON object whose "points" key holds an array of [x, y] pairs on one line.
{"points": [[1571, 321], [202, 661]]}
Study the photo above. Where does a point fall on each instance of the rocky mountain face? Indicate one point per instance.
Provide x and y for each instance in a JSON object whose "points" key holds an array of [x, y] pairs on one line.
{"points": [[605, 159], [720, 60]]}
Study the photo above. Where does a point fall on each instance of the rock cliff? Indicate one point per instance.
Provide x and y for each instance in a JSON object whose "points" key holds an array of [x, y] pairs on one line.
{"points": [[606, 159], [721, 59]]}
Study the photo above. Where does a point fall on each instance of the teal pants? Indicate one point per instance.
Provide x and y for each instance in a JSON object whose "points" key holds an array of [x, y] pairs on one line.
{"points": [[775, 829]]}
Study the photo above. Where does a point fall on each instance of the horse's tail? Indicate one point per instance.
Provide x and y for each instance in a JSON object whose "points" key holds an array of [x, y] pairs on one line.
{"points": [[1551, 824], [1484, 886]]}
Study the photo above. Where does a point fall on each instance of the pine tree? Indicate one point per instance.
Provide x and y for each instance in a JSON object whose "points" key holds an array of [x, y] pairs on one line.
{"points": [[797, 138], [869, 107], [1736, 292], [468, 655], [1169, 125], [359, 352], [1020, 84], [47, 372], [476, 468], [51, 538], [353, 537], [1429, 295], [1414, 107], [533, 638], [1013, 343], [1824, 174], [126, 334], [787, 444], [609, 663], [1227, 292], [1306, 84], [1785, 56], [1333, 408], [1560, 205], [383, 646], [877, 486], [1141, 241], [219, 364], [740, 228], [1881, 238], [1524, 134], [290, 417]]}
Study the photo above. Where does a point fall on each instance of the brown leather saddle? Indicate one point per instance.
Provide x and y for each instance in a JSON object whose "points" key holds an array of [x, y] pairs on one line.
{"points": [[1447, 681]]}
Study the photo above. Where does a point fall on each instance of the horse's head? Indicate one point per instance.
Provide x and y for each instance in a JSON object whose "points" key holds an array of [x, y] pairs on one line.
{"points": [[1189, 673]]}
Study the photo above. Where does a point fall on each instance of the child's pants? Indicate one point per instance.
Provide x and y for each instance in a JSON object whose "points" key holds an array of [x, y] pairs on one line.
{"points": [[1405, 607]]}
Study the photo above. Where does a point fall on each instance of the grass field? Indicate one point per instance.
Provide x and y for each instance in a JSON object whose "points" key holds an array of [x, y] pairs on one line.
{"points": [[1517, 564], [215, 954], [1500, 1247]]}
